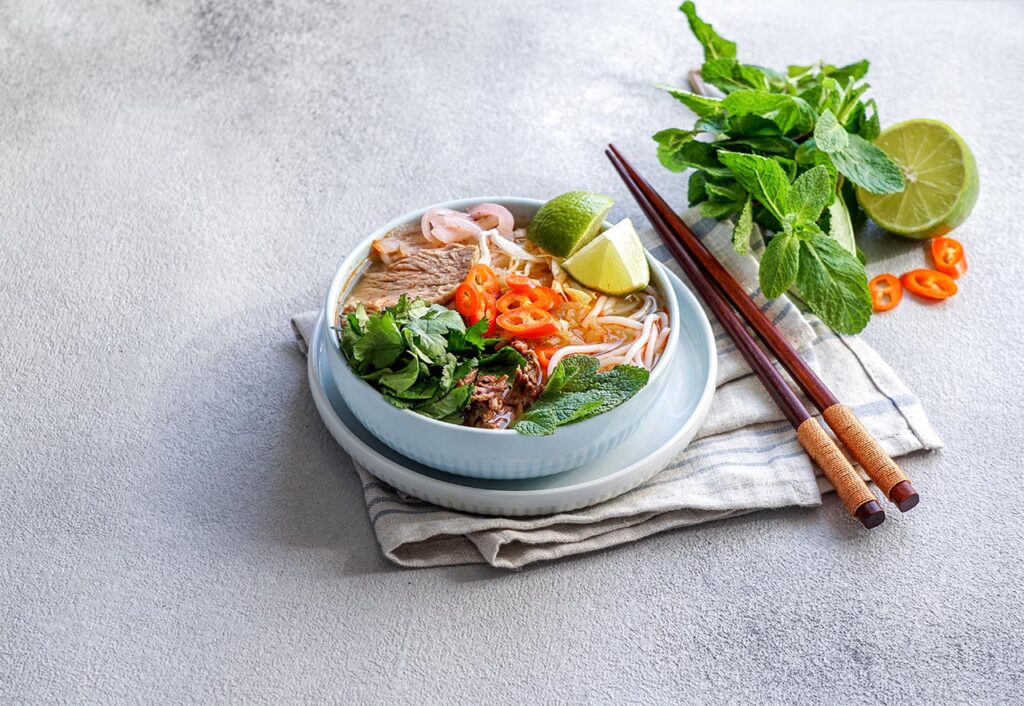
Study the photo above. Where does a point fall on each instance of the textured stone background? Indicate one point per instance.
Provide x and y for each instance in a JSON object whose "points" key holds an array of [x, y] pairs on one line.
{"points": [[176, 178]]}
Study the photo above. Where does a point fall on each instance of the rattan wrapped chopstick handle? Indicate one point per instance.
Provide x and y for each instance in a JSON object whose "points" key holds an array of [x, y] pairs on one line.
{"points": [[870, 455], [850, 487]]}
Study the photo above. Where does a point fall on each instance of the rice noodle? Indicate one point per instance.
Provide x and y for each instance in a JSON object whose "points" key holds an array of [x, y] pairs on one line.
{"points": [[649, 349], [619, 321], [596, 311], [593, 348], [639, 342]]}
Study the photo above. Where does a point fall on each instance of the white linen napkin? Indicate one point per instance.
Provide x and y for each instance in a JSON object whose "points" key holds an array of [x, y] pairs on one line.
{"points": [[745, 457]]}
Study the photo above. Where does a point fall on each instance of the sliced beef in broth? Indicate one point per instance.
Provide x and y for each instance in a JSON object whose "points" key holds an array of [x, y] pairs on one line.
{"points": [[430, 273], [497, 400]]}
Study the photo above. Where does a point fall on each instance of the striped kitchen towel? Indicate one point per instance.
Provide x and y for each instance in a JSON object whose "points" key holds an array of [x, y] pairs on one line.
{"points": [[745, 458]]}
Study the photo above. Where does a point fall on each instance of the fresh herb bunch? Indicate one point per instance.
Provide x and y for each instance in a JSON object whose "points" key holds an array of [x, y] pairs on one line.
{"points": [[416, 354], [783, 152], [577, 391]]}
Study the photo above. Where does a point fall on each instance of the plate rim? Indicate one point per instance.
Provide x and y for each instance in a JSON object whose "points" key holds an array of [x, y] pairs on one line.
{"points": [[487, 495]]}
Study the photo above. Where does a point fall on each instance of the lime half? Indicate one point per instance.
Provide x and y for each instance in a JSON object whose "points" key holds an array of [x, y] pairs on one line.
{"points": [[941, 177], [614, 262], [568, 222]]}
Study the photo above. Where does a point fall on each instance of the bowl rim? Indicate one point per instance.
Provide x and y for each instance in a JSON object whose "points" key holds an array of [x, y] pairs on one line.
{"points": [[340, 279]]}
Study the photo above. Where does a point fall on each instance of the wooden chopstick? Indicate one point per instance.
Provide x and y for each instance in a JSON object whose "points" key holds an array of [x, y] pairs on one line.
{"points": [[843, 421], [853, 492]]}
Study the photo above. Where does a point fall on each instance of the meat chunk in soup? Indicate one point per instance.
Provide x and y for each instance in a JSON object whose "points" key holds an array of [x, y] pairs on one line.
{"points": [[429, 273], [497, 400]]}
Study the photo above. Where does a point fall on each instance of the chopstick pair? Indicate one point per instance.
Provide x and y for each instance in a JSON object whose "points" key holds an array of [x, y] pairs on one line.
{"points": [[716, 286]]}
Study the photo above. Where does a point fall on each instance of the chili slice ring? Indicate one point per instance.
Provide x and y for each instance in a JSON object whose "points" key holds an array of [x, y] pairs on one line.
{"points": [[929, 284], [886, 292], [528, 322], [510, 301], [483, 278], [948, 256]]}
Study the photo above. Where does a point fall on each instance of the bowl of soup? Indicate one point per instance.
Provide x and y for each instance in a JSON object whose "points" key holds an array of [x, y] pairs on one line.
{"points": [[462, 345]]}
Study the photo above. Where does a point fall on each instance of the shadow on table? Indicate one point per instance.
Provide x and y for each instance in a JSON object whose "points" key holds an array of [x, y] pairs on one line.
{"points": [[247, 464]]}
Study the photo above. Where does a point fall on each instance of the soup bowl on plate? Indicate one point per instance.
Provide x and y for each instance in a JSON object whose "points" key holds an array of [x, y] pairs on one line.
{"points": [[502, 454]]}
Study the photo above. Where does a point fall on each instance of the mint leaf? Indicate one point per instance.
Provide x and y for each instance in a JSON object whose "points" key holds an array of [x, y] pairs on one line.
{"points": [[742, 230], [762, 177], [703, 106], [696, 190], [779, 264], [810, 194], [840, 228], [862, 162], [829, 135], [679, 154], [790, 113], [576, 391], [869, 167], [833, 283], [573, 374], [730, 75], [715, 46]]}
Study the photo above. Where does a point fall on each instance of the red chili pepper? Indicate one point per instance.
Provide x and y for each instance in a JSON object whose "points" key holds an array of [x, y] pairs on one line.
{"points": [[948, 256], [510, 301], [528, 322], [886, 292], [929, 284], [470, 303], [520, 283], [483, 278]]}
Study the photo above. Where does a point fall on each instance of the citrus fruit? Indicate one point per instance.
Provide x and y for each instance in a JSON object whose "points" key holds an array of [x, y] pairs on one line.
{"points": [[568, 222], [614, 262], [941, 177]]}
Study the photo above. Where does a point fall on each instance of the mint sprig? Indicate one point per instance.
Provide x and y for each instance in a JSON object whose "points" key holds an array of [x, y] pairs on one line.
{"points": [[779, 149]]}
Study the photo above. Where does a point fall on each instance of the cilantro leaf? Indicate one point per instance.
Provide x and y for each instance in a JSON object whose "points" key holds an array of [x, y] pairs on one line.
{"points": [[381, 344], [762, 177], [502, 362], [401, 380], [833, 283], [779, 264], [454, 401]]}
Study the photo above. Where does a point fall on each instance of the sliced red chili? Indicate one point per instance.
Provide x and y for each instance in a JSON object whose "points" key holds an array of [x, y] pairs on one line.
{"points": [[929, 284], [528, 322], [948, 256], [520, 283], [886, 292], [483, 278], [470, 303], [511, 301]]}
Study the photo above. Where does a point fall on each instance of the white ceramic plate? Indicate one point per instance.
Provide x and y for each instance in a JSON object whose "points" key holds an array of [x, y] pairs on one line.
{"points": [[675, 419]]}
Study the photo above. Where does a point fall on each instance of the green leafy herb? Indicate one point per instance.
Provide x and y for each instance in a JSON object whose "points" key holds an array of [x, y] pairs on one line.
{"points": [[417, 353], [577, 391], [781, 149]]}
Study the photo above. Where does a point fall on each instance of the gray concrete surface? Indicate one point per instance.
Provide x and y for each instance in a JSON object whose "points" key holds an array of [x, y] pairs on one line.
{"points": [[176, 178]]}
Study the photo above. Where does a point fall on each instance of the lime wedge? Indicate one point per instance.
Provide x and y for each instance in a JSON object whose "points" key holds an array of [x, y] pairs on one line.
{"points": [[568, 222], [941, 176], [614, 262]]}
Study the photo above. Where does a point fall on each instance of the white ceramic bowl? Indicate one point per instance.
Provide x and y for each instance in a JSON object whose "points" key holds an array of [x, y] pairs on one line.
{"points": [[490, 453]]}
